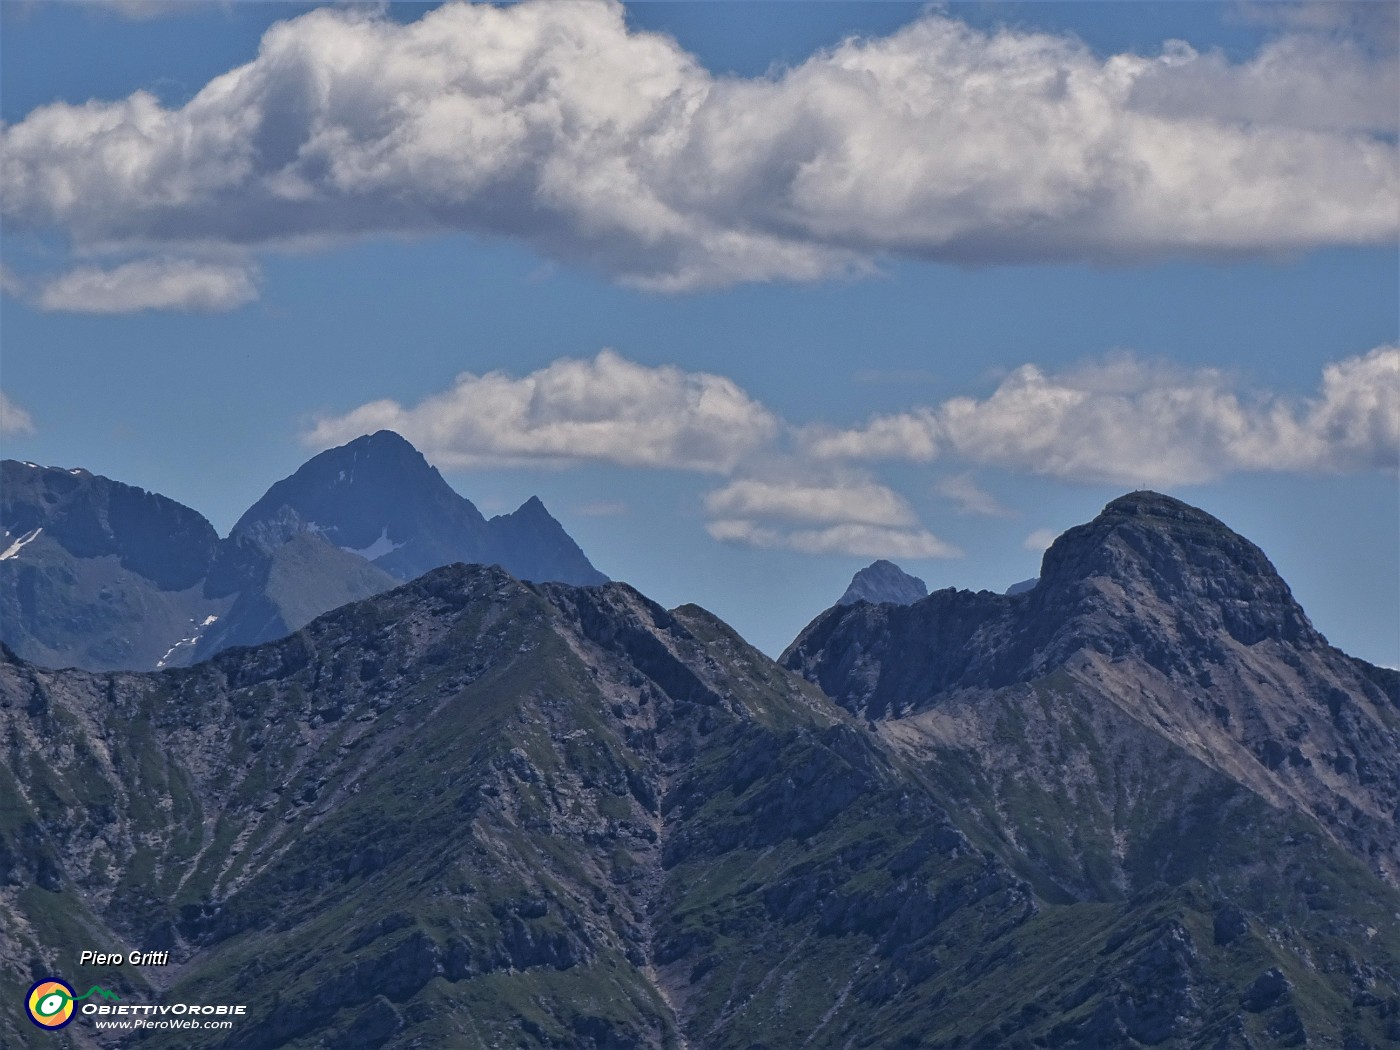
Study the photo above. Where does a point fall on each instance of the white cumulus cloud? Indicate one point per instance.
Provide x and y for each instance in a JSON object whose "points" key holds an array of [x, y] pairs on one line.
{"points": [[608, 410], [821, 515], [1121, 420], [558, 125], [1294, 81], [150, 284], [847, 502], [1126, 421], [866, 541], [14, 419]]}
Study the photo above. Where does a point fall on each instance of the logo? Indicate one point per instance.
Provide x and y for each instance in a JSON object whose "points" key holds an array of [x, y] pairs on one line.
{"points": [[50, 1002]]}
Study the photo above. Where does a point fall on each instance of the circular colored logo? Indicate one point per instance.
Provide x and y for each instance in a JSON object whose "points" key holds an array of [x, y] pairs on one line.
{"points": [[50, 1004]]}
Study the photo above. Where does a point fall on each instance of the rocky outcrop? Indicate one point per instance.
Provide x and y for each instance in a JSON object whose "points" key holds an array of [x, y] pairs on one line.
{"points": [[1166, 626], [468, 794], [883, 581]]}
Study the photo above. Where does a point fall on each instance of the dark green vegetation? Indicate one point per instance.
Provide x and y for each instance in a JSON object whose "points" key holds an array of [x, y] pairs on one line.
{"points": [[473, 812], [105, 576]]}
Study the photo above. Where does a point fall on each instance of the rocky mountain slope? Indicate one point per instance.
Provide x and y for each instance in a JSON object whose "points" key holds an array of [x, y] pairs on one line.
{"points": [[1132, 719], [883, 581], [106, 576], [98, 574], [277, 590], [378, 497], [475, 812], [1158, 616]]}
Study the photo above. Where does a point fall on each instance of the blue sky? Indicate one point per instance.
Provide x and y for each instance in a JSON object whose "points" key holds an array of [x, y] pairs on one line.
{"points": [[935, 294]]}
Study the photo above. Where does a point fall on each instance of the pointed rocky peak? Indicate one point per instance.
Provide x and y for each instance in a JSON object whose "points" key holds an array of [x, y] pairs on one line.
{"points": [[1146, 550], [384, 442], [530, 543], [884, 581], [533, 509], [376, 497]]}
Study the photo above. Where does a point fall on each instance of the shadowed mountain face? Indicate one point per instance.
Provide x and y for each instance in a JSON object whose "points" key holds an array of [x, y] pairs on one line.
{"points": [[475, 812], [883, 581], [97, 573], [378, 497], [105, 576], [1154, 635], [272, 592], [529, 544], [93, 517]]}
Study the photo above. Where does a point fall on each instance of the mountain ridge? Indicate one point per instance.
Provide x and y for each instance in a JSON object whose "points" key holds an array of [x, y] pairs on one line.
{"points": [[1161, 611], [475, 811], [584, 821], [377, 496], [104, 575]]}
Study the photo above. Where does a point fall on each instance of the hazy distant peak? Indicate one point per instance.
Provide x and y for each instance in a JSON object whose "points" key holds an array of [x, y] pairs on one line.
{"points": [[532, 508], [884, 581], [531, 543]]}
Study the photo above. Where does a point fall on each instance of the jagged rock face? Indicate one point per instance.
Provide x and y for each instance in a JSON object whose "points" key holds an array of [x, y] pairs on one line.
{"points": [[1147, 557], [472, 812], [1150, 577], [378, 497], [91, 516], [1153, 623], [883, 581], [100, 575], [106, 576], [530, 545], [545, 810], [95, 572]]}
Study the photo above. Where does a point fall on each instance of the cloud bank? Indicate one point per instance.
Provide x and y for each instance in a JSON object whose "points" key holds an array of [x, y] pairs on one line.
{"points": [[1121, 421], [557, 125], [1126, 421], [857, 502], [840, 514], [864, 541], [150, 284], [607, 410]]}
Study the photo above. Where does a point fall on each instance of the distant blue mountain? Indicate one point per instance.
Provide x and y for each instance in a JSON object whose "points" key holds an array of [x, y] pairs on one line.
{"points": [[883, 581], [379, 498], [106, 576]]}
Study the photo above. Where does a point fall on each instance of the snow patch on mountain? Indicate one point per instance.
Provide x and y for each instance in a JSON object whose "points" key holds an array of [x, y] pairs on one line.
{"points": [[14, 548], [190, 641], [380, 547]]}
